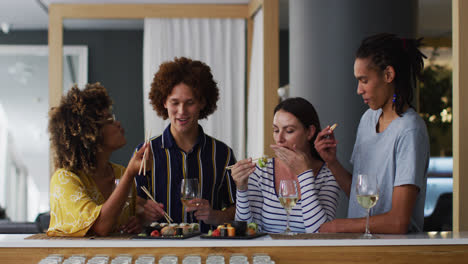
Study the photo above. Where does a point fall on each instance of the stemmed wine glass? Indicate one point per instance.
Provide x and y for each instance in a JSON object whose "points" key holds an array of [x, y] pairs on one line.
{"points": [[127, 202], [288, 196], [189, 190], [130, 194], [367, 193]]}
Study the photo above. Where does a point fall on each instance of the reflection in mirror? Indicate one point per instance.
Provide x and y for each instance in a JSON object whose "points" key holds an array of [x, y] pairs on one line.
{"points": [[24, 141]]}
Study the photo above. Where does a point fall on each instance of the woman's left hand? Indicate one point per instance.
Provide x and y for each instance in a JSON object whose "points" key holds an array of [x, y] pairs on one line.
{"points": [[203, 211], [133, 226], [295, 159]]}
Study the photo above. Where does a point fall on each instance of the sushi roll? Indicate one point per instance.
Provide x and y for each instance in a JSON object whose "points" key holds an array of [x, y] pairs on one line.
{"points": [[187, 230], [231, 231], [179, 231], [153, 226], [168, 231], [223, 232], [195, 227]]}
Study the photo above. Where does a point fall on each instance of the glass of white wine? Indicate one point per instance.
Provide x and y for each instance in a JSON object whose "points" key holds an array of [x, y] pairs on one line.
{"points": [[288, 196], [126, 206], [189, 190], [367, 193]]}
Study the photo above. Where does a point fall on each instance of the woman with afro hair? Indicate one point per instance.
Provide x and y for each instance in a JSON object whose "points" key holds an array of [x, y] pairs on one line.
{"points": [[84, 196]]}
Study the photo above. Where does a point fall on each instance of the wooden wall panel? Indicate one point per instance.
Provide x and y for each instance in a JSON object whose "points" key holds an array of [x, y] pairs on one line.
{"points": [[460, 114]]}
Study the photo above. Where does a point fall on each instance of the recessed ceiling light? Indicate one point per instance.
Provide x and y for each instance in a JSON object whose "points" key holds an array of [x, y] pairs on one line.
{"points": [[5, 27]]}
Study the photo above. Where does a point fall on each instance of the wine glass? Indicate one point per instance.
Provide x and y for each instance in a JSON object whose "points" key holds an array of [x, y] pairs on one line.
{"points": [[130, 194], [367, 194], [189, 190], [126, 205], [288, 196]]}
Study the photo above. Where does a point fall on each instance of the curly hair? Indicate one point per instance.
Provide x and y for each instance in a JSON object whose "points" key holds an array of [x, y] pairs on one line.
{"points": [[195, 74], [74, 127]]}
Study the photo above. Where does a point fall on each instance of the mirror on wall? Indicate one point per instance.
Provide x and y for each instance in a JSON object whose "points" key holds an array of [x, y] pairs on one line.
{"points": [[24, 141]]}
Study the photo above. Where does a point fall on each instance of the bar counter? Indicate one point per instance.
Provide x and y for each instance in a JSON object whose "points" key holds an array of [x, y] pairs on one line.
{"points": [[432, 247]]}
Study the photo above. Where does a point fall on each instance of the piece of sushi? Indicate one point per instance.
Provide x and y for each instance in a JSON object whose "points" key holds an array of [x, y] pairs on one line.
{"points": [[179, 231], [195, 227], [153, 226], [168, 231], [187, 230]]}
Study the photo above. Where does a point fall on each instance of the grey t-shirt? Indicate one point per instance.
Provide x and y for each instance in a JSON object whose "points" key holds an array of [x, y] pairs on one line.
{"points": [[398, 156]]}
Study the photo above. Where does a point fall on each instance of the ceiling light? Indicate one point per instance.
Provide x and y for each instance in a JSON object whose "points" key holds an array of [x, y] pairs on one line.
{"points": [[5, 27]]}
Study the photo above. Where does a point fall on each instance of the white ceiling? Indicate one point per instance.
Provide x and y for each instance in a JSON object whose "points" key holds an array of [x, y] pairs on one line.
{"points": [[434, 15], [34, 13]]}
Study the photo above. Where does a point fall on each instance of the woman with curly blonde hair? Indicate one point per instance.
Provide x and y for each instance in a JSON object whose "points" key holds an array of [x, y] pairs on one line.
{"points": [[84, 198]]}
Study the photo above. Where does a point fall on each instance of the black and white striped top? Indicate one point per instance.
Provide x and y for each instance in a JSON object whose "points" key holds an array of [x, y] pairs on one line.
{"points": [[260, 203]]}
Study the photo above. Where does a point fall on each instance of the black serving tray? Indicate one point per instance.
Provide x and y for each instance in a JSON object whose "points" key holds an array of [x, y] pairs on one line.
{"points": [[168, 237], [206, 236]]}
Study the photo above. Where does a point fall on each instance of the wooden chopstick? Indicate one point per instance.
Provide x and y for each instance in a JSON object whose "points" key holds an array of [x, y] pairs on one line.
{"points": [[259, 158], [232, 166], [143, 161], [144, 154], [168, 218]]}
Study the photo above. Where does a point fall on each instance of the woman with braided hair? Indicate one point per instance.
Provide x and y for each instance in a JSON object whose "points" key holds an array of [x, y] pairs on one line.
{"points": [[392, 141], [84, 198]]}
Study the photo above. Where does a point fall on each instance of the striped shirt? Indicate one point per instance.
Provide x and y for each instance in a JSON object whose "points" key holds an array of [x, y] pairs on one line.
{"points": [[260, 203], [206, 161]]}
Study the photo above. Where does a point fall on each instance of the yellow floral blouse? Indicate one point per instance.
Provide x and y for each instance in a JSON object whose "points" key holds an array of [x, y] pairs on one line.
{"points": [[75, 203]]}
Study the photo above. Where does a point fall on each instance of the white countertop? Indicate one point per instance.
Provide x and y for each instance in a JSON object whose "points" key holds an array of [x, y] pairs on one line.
{"points": [[431, 238]]}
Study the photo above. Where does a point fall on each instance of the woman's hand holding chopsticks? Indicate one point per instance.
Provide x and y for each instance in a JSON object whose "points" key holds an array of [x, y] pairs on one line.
{"points": [[262, 159], [137, 160], [240, 173]]}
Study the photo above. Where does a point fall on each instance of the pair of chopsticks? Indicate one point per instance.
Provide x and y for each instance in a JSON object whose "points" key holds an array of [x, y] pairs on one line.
{"points": [[143, 161], [253, 160], [168, 218]]}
